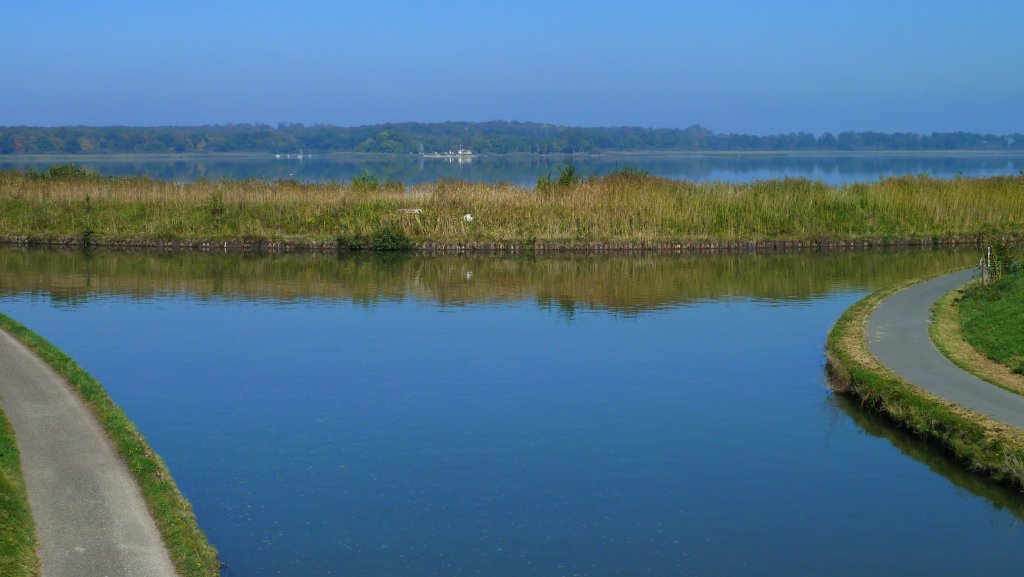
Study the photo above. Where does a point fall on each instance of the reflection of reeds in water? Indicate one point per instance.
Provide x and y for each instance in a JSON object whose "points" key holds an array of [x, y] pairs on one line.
{"points": [[620, 283], [933, 456], [617, 208]]}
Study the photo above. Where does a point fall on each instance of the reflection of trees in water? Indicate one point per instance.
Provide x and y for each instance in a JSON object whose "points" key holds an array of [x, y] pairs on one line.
{"points": [[622, 284], [931, 455], [412, 169]]}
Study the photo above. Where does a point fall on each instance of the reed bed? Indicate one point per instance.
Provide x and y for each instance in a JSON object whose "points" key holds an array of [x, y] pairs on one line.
{"points": [[618, 208]]}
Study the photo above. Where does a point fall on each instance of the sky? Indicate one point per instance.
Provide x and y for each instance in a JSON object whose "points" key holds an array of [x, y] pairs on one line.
{"points": [[743, 66]]}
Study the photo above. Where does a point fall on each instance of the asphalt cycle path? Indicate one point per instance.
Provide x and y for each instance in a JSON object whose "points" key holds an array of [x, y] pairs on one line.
{"points": [[91, 519], [898, 337]]}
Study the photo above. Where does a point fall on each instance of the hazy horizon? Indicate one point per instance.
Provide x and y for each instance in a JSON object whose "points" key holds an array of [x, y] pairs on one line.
{"points": [[734, 67], [275, 125]]}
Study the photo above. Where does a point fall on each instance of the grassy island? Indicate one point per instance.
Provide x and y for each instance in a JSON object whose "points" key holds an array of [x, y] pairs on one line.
{"points": [[627, 209]]}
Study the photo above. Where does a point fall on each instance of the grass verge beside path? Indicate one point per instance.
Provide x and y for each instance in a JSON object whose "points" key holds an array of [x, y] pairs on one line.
{"points": [[18, 557], [191, 553], [978, 442], [947, 333], [993, 320]]}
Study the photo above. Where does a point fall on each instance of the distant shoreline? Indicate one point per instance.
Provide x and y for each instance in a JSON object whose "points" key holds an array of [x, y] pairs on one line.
{"points": [[493, 137], [555, 155]]}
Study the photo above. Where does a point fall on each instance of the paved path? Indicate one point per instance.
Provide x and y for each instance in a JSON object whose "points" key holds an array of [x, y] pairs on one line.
{"points": [[90, 518], [898, 337]]}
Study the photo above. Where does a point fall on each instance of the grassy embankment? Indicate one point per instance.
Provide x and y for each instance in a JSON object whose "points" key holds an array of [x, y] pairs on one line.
{"points": [[17, 531], [189, 549], [993, 320], [980, 443], [623, 208], [979, 328]]}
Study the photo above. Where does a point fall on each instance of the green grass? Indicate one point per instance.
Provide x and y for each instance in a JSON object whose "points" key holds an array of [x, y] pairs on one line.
{"points": [[189, 549], [17, 531], [626, 207], [946, 331], [993, 320], [978, 442]]}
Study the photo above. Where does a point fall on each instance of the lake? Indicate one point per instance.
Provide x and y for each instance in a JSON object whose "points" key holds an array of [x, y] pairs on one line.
{"points": [[406, 415], [835, 168]]}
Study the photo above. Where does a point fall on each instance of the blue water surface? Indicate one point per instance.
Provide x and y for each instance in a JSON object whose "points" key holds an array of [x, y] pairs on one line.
{"points": [[833, 168], [406, 436]]}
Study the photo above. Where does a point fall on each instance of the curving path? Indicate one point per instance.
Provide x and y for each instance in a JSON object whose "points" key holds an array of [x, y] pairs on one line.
{"points": [[90, 517], [898, 337]]}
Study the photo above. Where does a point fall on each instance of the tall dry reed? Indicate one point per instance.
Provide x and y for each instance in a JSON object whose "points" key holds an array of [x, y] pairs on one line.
{"points": [[617, 208]]}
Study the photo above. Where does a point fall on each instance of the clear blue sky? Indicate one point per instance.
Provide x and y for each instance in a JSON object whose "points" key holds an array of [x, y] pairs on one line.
{"points": [[730, 65]]}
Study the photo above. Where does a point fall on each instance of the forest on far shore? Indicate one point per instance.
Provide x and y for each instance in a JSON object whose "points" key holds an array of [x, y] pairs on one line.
{"points": [[481, 137]]}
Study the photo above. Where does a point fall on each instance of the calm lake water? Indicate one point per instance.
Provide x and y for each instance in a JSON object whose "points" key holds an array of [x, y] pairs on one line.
{"points": [[831, 168], [468, 416]]}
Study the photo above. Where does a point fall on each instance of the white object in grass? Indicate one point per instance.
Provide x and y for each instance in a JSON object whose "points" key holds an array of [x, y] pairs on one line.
{"points": [[467, 217]]}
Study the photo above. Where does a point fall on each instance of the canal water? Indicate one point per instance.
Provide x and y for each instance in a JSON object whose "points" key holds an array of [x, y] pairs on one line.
{"points": [[416, 416], [833, 168]]}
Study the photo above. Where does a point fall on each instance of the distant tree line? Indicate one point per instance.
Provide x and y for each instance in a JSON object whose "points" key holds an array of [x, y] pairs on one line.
{"points": [[488, 137]]}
